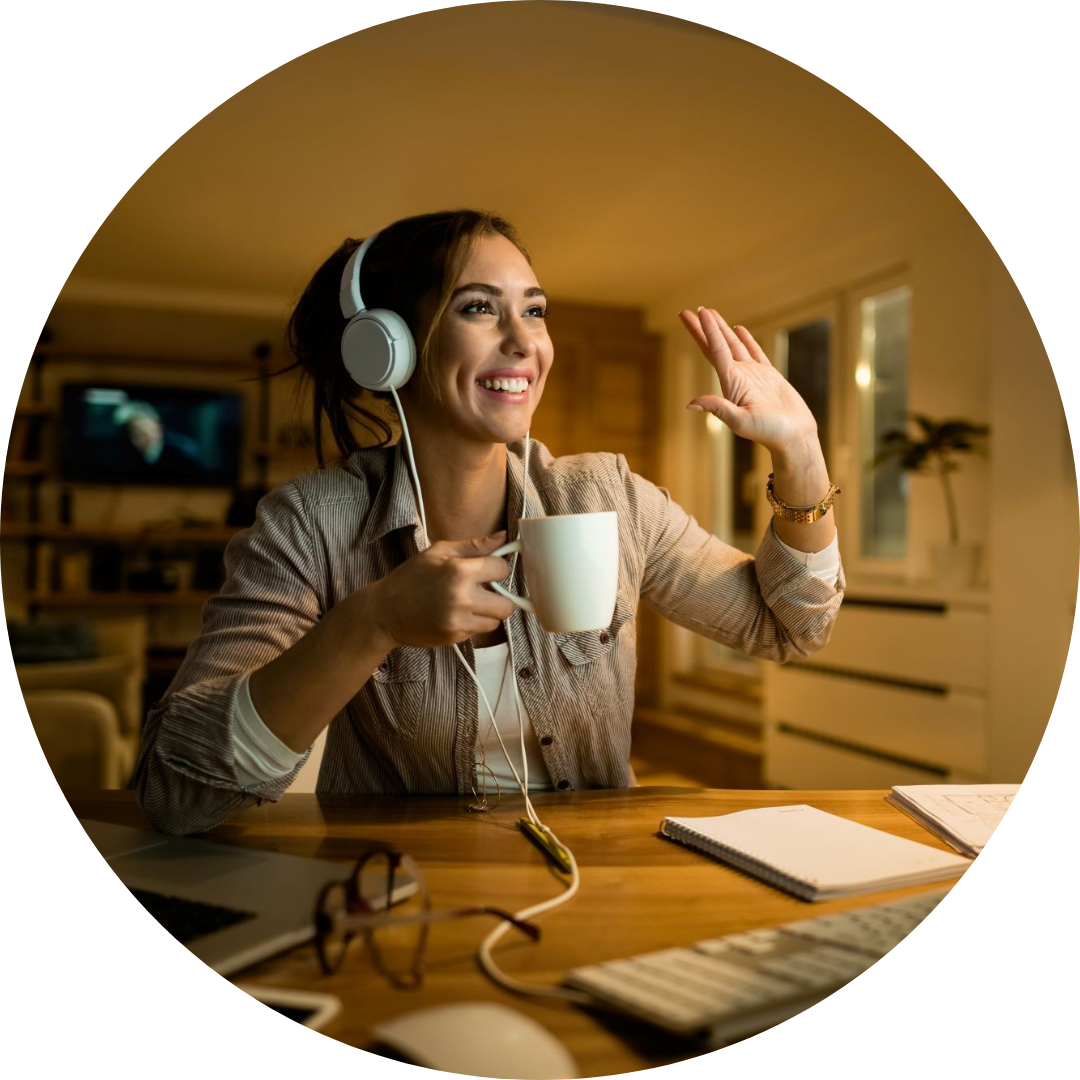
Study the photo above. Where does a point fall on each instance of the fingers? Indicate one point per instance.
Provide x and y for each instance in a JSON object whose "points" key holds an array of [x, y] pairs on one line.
{"points": [[489, 569], [738, 340], [471, 549], [693, 325], [721, 408], [473, 574]]}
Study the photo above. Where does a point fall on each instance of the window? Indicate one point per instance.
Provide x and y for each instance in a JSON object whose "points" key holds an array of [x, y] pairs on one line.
{"points": [[881, 376]]}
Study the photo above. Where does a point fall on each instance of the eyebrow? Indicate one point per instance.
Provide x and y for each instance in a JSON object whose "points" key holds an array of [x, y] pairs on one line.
{"points": [[479, 286]]}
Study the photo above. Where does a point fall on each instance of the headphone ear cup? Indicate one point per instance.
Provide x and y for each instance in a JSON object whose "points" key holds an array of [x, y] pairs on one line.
{"points": [[378, 350]]}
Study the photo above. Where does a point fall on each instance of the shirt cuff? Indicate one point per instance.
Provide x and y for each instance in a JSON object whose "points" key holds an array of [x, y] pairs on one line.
{"points": [[824, 564], [258, 754]]}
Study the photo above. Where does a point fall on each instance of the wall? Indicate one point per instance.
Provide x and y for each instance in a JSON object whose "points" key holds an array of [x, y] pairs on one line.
{"points": [[1033, 530]]}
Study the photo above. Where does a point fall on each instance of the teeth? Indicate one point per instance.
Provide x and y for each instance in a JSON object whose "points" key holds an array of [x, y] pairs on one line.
{"points": [[511, 386]]}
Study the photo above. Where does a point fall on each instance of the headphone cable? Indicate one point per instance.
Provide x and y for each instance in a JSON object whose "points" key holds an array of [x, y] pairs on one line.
{"points": [[484, 953]]}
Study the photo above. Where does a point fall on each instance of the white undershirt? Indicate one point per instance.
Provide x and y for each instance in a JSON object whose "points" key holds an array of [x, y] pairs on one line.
{"points": [[260, 755], [491, 667]]}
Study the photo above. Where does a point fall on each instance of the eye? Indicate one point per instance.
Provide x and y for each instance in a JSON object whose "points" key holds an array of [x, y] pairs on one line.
{"points": [[537, 312], [478, 307]]}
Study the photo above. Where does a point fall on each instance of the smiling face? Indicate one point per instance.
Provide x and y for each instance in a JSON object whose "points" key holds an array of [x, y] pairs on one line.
{"points": [[492, 352]]}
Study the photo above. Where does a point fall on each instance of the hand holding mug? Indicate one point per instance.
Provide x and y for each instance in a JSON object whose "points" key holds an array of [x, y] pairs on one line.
{"points": [[439, 596]]}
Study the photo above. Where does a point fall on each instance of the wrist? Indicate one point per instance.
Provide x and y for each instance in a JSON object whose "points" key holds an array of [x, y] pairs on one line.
{"points": [[799, 457], [365, 632]]}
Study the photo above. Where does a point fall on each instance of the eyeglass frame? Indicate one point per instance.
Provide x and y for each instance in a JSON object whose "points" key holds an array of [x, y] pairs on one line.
{"points": [[358, 915]]}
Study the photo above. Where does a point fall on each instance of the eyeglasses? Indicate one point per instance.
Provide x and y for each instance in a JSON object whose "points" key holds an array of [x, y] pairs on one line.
{"points": [[396, 939]]}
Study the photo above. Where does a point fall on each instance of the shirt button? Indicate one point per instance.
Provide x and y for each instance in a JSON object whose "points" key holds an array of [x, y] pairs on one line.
{"points": [[604, 637], [384, 666], [546, 740], [562, 785], [526, 672]]}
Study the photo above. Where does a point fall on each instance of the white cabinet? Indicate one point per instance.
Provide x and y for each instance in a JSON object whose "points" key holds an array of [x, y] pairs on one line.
{"points": [[899, 695]]}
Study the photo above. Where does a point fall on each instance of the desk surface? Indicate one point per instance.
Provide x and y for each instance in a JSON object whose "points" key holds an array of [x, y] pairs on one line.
{"points": [[638, 892]]}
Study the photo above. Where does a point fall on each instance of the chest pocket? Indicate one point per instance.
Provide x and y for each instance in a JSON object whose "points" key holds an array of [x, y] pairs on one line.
{"points": [[587, 646], [400, 689]]}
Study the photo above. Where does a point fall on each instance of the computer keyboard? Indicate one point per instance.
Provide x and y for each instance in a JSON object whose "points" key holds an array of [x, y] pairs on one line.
{"points": [[188, 920], [726, 988]]}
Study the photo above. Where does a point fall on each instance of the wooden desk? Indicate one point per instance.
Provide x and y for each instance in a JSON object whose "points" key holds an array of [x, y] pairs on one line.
{"points": [[638, 892]]}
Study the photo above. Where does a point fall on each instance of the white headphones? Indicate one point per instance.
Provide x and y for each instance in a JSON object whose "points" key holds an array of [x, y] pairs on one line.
{"points": [[376, 346]]}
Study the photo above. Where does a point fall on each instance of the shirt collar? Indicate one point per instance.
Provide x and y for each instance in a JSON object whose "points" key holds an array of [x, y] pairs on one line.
{"points": [[517, 484], [394, 506]]}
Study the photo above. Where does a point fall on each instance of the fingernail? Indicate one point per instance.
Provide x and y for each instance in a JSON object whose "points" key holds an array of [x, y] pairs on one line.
{"points": [[700, 309], [695, 407]]}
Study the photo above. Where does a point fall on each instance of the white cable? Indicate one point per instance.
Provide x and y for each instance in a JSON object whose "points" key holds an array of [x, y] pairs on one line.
{"points": [[412, 461], [484, 956]]}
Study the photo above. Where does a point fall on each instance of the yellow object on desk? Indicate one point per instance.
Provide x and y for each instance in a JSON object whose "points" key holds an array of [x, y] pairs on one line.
{"points": [[553, 850]]}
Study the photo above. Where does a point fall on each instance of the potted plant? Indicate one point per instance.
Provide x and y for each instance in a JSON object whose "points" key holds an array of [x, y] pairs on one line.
{"points": [[934, 450]]}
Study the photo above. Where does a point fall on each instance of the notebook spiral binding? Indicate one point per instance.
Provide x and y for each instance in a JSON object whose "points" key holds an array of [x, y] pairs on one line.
{"points": [[741, 860]]}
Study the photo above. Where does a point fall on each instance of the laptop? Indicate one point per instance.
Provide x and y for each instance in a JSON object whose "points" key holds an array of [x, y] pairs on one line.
{"points": [[231, 907]]}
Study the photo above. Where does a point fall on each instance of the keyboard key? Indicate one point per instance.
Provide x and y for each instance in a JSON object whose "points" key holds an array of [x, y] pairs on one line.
{"points": [[820, 967], [188, 920], [758, 942]]}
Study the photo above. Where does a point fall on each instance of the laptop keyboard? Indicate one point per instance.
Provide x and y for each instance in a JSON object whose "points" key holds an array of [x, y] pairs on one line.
{"points": [[189, 920]]}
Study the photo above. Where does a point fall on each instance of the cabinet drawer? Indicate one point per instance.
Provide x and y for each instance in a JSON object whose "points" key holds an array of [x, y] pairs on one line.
{"points": [[795, 762], [945, 648], [940, 730]]}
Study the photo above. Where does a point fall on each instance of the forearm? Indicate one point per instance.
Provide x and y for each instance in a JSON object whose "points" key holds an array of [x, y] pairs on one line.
{"points": [[297, 694], [800, 478]]}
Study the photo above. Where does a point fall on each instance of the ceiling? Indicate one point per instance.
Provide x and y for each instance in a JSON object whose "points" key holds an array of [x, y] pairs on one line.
{"points": [[633, 151]]}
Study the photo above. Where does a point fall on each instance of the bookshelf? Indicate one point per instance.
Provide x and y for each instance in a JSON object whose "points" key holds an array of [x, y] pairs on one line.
{"points": [[57, 550]]}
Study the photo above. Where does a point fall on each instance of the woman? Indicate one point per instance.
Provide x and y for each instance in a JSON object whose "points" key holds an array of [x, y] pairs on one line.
{"points": [[336, 609]]}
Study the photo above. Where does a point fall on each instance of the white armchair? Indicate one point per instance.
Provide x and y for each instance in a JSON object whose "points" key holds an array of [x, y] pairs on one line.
{"points": [[80, 734], [115, 676]]}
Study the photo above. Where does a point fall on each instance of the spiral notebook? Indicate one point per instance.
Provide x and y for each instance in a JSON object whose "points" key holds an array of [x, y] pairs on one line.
{"points": [[815, 855]]}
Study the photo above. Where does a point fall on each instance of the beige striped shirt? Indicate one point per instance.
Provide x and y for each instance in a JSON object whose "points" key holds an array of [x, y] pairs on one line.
{"points": [[412, 727]]}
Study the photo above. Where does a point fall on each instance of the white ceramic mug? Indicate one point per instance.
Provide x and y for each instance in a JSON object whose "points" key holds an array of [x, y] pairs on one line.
{"points": [[571, 568]]}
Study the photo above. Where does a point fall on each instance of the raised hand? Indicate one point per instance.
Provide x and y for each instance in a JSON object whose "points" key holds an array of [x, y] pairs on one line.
{"points": [[758, 402]]}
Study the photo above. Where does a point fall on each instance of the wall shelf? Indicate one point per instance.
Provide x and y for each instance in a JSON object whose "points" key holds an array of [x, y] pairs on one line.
{"points": [[177, 598], [56, 573], [143, 536], [25, 468]]}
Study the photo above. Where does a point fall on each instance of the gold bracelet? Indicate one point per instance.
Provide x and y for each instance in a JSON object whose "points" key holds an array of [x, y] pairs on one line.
{"points": [[800, 515]]}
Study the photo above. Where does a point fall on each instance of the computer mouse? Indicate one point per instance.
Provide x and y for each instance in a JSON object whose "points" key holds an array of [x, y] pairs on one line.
{"points": [[479, 1038]]}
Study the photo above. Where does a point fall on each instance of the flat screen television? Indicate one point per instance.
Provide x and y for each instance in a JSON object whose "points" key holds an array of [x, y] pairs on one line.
{"points": [[150, 435]]}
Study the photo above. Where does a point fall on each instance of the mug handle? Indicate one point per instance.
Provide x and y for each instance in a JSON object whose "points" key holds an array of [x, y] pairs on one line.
{"points": [[522, 602]]}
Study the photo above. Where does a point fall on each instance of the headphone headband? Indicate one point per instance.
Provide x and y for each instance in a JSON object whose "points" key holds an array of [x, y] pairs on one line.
{"points": [[352, 303]]}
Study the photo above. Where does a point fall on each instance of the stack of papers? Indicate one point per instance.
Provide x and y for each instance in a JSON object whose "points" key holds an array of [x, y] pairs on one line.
{"points": [[963, 816]]}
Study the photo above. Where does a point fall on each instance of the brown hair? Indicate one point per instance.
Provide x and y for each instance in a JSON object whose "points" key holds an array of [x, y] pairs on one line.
{"points": [[413, 260]]}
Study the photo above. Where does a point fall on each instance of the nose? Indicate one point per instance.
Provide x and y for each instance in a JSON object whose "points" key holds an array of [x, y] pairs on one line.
{"points": [[518, 340]]}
